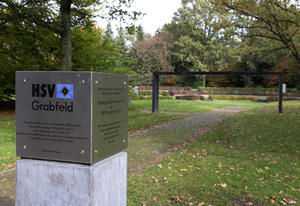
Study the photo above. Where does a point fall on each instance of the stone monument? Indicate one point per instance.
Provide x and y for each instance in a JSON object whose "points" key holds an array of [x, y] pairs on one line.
{"points": [[71, 129]]}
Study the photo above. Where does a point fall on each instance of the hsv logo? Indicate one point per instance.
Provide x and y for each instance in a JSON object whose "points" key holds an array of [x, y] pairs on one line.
{"points": [[63, 91]]}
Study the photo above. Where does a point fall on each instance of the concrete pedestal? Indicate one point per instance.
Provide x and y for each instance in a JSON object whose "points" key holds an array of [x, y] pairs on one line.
{"points": [[45, 183]]}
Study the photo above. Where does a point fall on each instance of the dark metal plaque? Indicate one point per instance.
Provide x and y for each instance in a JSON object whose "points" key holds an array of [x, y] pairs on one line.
{"points": [[53, 116], [71, 116], [109, 115]]}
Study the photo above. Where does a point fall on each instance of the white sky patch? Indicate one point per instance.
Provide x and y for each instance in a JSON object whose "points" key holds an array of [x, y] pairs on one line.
{"points": [[157, 13]]}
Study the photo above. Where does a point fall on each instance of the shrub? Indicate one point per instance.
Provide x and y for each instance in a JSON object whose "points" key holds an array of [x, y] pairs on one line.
{"points": [[164, 93], [232, 97], [131, 92], [149, 93], [150, 97], [190, 97]]}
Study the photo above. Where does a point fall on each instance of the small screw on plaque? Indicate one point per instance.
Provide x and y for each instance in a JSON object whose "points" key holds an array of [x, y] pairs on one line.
{"points": [[24, 147], [96, 82], [96, 151], [82, 81], [124, 140], [124, 83], [82, 152], [24, 80]]}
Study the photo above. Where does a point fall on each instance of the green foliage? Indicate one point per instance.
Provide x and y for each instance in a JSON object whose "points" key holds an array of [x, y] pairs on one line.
{"points": [[131, 92], [31, 34], [276, 20], [232, 97], [252, 91], [25, 48], [140, 34], [149, 92], [201, 41], [93, 52], [38, 50], [150, 97]]}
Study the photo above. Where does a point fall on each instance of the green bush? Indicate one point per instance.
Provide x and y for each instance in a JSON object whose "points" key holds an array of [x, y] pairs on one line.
{"points": [[149, 93], [150, 97], [145, 92], [257, 89], [190, 97], [232, 97], [164, 93], [131, 92]]}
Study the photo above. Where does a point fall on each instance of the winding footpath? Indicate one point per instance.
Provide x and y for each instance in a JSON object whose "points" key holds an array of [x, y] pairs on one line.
{"points": [[176, 133]]}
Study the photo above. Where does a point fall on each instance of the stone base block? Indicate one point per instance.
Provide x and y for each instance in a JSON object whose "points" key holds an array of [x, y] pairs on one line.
{"points": [[46, 183]]}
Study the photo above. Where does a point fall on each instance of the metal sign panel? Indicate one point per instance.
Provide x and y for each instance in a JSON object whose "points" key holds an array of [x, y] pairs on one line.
{"points": [[57, 112], [110, 114]]}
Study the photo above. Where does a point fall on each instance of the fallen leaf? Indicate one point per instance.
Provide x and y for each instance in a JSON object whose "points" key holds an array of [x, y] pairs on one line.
{"points": [[288, 202], [178, 199], [155, 198], [224, 185], [259, 170], [160, 166]]}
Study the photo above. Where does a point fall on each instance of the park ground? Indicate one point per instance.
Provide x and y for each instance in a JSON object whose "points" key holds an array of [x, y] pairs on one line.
{"points": [[251, 158]]}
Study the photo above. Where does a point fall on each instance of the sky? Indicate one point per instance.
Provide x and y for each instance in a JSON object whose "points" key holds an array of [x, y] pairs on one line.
{"points": [[157, 13]]}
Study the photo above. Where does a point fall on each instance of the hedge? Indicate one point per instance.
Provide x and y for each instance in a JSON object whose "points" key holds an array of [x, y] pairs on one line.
{"points": [[149, 92], [231, 97], [150, 97]]}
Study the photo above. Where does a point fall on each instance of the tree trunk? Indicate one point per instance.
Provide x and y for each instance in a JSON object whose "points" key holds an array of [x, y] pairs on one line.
{"points": [[65, 37]]}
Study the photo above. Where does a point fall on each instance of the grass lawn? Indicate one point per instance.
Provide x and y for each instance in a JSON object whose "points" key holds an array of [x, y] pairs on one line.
{"points": [[191, 106], [137, 120], [252, 158], [7, 141]]}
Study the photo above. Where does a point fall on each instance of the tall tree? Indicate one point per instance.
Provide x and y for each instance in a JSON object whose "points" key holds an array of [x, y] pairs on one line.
{"points": [[153, 55], [93, 51], [201, 43], [59, 16], [276, 20]]}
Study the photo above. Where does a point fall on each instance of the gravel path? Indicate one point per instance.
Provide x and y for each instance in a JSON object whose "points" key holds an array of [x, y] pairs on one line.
{"points": [[179, 131]]}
